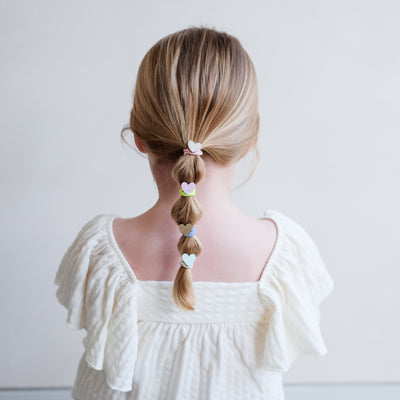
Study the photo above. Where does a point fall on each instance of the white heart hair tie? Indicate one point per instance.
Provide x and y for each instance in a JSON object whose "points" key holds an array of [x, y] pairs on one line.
{"points": [[188, 260], [193, 149]]}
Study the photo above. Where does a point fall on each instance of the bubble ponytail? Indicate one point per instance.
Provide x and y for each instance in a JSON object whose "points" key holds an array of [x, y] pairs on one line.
{"points": [[186, 210], [199, 84]]}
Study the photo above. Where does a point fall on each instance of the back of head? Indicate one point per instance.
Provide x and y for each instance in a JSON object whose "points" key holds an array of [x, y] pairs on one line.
{"points": [[200, 85]]}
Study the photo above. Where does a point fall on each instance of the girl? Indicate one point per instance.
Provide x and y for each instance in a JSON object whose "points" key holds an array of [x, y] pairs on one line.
{"points": [[192, 299]]}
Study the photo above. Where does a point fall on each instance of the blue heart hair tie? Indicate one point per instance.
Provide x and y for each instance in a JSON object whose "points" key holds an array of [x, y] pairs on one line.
{"points": [[192, 232]]}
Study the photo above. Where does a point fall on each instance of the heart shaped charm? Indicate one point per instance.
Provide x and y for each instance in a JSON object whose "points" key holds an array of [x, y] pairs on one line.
{"points": [[188, 259], [185, 229], [193, 147], [188, 187]]}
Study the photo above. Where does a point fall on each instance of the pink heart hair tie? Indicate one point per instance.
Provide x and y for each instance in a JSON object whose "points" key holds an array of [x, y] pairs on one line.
{"points": [[187, 189]]}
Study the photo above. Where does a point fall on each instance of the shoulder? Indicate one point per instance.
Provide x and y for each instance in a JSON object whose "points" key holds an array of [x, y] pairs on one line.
{"points": [[94, 234], [293, 233], [289, 224], [297, 259], [89, 260], [99, 293], [126, 230], [292, 288], [94, 227]]}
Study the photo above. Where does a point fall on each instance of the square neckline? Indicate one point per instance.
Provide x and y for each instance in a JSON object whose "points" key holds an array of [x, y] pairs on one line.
{"points": [[265, 270]]}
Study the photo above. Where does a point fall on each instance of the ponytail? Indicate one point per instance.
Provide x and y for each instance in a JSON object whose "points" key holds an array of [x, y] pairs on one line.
{"points": [[198, 84], [186, 210]]}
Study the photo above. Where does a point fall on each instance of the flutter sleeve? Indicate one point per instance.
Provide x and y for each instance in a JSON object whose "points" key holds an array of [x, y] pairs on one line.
{"points": [[100, 297], [291, 291]]}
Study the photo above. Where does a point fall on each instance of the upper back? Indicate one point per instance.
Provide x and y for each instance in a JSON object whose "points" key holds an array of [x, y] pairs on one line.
{"points": [[280, 312], [235, 249]]}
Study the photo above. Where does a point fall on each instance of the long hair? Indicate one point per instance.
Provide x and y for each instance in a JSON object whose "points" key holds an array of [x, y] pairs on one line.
{"points": [[196, 84]]}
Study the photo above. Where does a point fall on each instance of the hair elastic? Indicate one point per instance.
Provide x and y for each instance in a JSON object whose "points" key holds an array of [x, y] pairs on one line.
{"points": [[188, 260], [196, 153], [193, 149], [188, 189], [185, 265], [185, 194], [192, 232], [187, 230]]}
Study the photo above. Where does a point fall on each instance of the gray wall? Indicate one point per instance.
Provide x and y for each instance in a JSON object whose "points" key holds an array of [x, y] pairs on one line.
{"points": [[329, 85]]}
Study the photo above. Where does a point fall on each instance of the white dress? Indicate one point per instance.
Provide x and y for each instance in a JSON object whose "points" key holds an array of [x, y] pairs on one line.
{"points": [[234, 346]]}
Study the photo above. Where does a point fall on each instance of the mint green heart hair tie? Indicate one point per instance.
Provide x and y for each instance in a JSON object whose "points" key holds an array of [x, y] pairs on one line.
{"points": [[187, 189]]}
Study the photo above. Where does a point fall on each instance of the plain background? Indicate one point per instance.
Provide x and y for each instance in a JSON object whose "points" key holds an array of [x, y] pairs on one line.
{"points": [[328, 74]]}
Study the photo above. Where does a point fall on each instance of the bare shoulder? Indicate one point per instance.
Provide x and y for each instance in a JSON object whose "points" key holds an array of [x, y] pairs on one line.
{"points": [[124, 229], [270, 229], [263, 242], [149, 247], [235, 250], [127, 236]]}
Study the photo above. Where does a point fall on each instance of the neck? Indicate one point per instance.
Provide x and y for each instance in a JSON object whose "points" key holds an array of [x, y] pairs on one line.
{"points": [[212, 192]]}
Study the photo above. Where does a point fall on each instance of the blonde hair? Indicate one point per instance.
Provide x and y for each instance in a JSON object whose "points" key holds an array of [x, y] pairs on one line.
{"points": [[195, 84]]}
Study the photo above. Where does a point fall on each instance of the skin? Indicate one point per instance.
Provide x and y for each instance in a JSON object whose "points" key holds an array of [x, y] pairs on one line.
{"points": [[241, 255]]}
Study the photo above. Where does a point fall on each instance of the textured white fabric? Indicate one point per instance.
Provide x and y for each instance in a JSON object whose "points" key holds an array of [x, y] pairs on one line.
{"points": [[235, 345]]}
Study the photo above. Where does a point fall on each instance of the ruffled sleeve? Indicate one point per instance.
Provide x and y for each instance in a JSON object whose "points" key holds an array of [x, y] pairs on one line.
{"points": [[292, 287], [101, 298]]}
